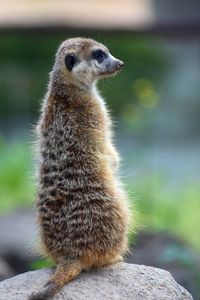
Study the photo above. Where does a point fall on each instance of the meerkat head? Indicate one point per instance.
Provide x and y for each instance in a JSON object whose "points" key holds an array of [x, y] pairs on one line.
{"points": [[81, 62]]}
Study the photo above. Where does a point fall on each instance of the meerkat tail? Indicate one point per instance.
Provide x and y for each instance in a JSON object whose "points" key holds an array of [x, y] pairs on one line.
{"points": [[65, 272]]}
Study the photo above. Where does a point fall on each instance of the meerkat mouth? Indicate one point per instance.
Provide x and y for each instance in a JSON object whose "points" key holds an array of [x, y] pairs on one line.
{"points": [[115, 72]]}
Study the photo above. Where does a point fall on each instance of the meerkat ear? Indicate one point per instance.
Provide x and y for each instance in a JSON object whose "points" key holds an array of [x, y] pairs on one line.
{"points": [[70, 60]]}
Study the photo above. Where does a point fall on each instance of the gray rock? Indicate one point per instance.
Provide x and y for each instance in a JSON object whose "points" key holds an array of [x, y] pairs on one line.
{"points": [[5, 270], [18, 234], [117, 282]]}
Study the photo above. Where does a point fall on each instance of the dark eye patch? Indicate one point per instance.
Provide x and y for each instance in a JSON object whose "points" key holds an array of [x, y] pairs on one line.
{"points": [[99, 55], [70, 60]]}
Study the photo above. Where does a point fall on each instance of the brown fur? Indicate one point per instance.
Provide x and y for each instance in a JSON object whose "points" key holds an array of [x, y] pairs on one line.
{"points": [[82, 208]]}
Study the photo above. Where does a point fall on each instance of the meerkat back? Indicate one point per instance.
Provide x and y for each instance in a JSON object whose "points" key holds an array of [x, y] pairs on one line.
{"points": [[82, 208]]}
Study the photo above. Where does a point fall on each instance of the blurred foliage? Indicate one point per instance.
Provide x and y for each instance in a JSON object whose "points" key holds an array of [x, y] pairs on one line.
{"points": [[27, 59], [174, 210], [16, 185]]}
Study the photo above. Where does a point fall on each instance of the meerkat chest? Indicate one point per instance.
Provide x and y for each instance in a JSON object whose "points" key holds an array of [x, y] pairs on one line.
{"points": [[102, 109], [100, 101]]}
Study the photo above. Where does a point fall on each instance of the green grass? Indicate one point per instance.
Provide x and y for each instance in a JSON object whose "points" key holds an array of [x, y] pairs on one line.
{"points": [[42, 263], [160, 207], [164, 208], [16, 184]]}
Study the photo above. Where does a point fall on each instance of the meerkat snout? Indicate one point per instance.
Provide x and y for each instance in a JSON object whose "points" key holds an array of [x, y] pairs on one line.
{"points": [[114, 65], [121, 64]]}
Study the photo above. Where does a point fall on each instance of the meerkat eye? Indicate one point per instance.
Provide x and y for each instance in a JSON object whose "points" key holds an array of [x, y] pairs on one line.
{"points": [[70, 60], [99, 55]]}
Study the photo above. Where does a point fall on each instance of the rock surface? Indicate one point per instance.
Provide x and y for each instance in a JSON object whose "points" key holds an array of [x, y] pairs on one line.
{"points": [[117, 282], [18, 234]]}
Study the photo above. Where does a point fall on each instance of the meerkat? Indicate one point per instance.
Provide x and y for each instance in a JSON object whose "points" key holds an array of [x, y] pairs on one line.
{"points": [[82, 207]]}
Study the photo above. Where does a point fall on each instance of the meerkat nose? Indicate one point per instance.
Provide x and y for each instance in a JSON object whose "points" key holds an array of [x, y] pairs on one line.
{"points": [[121, 64]]}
